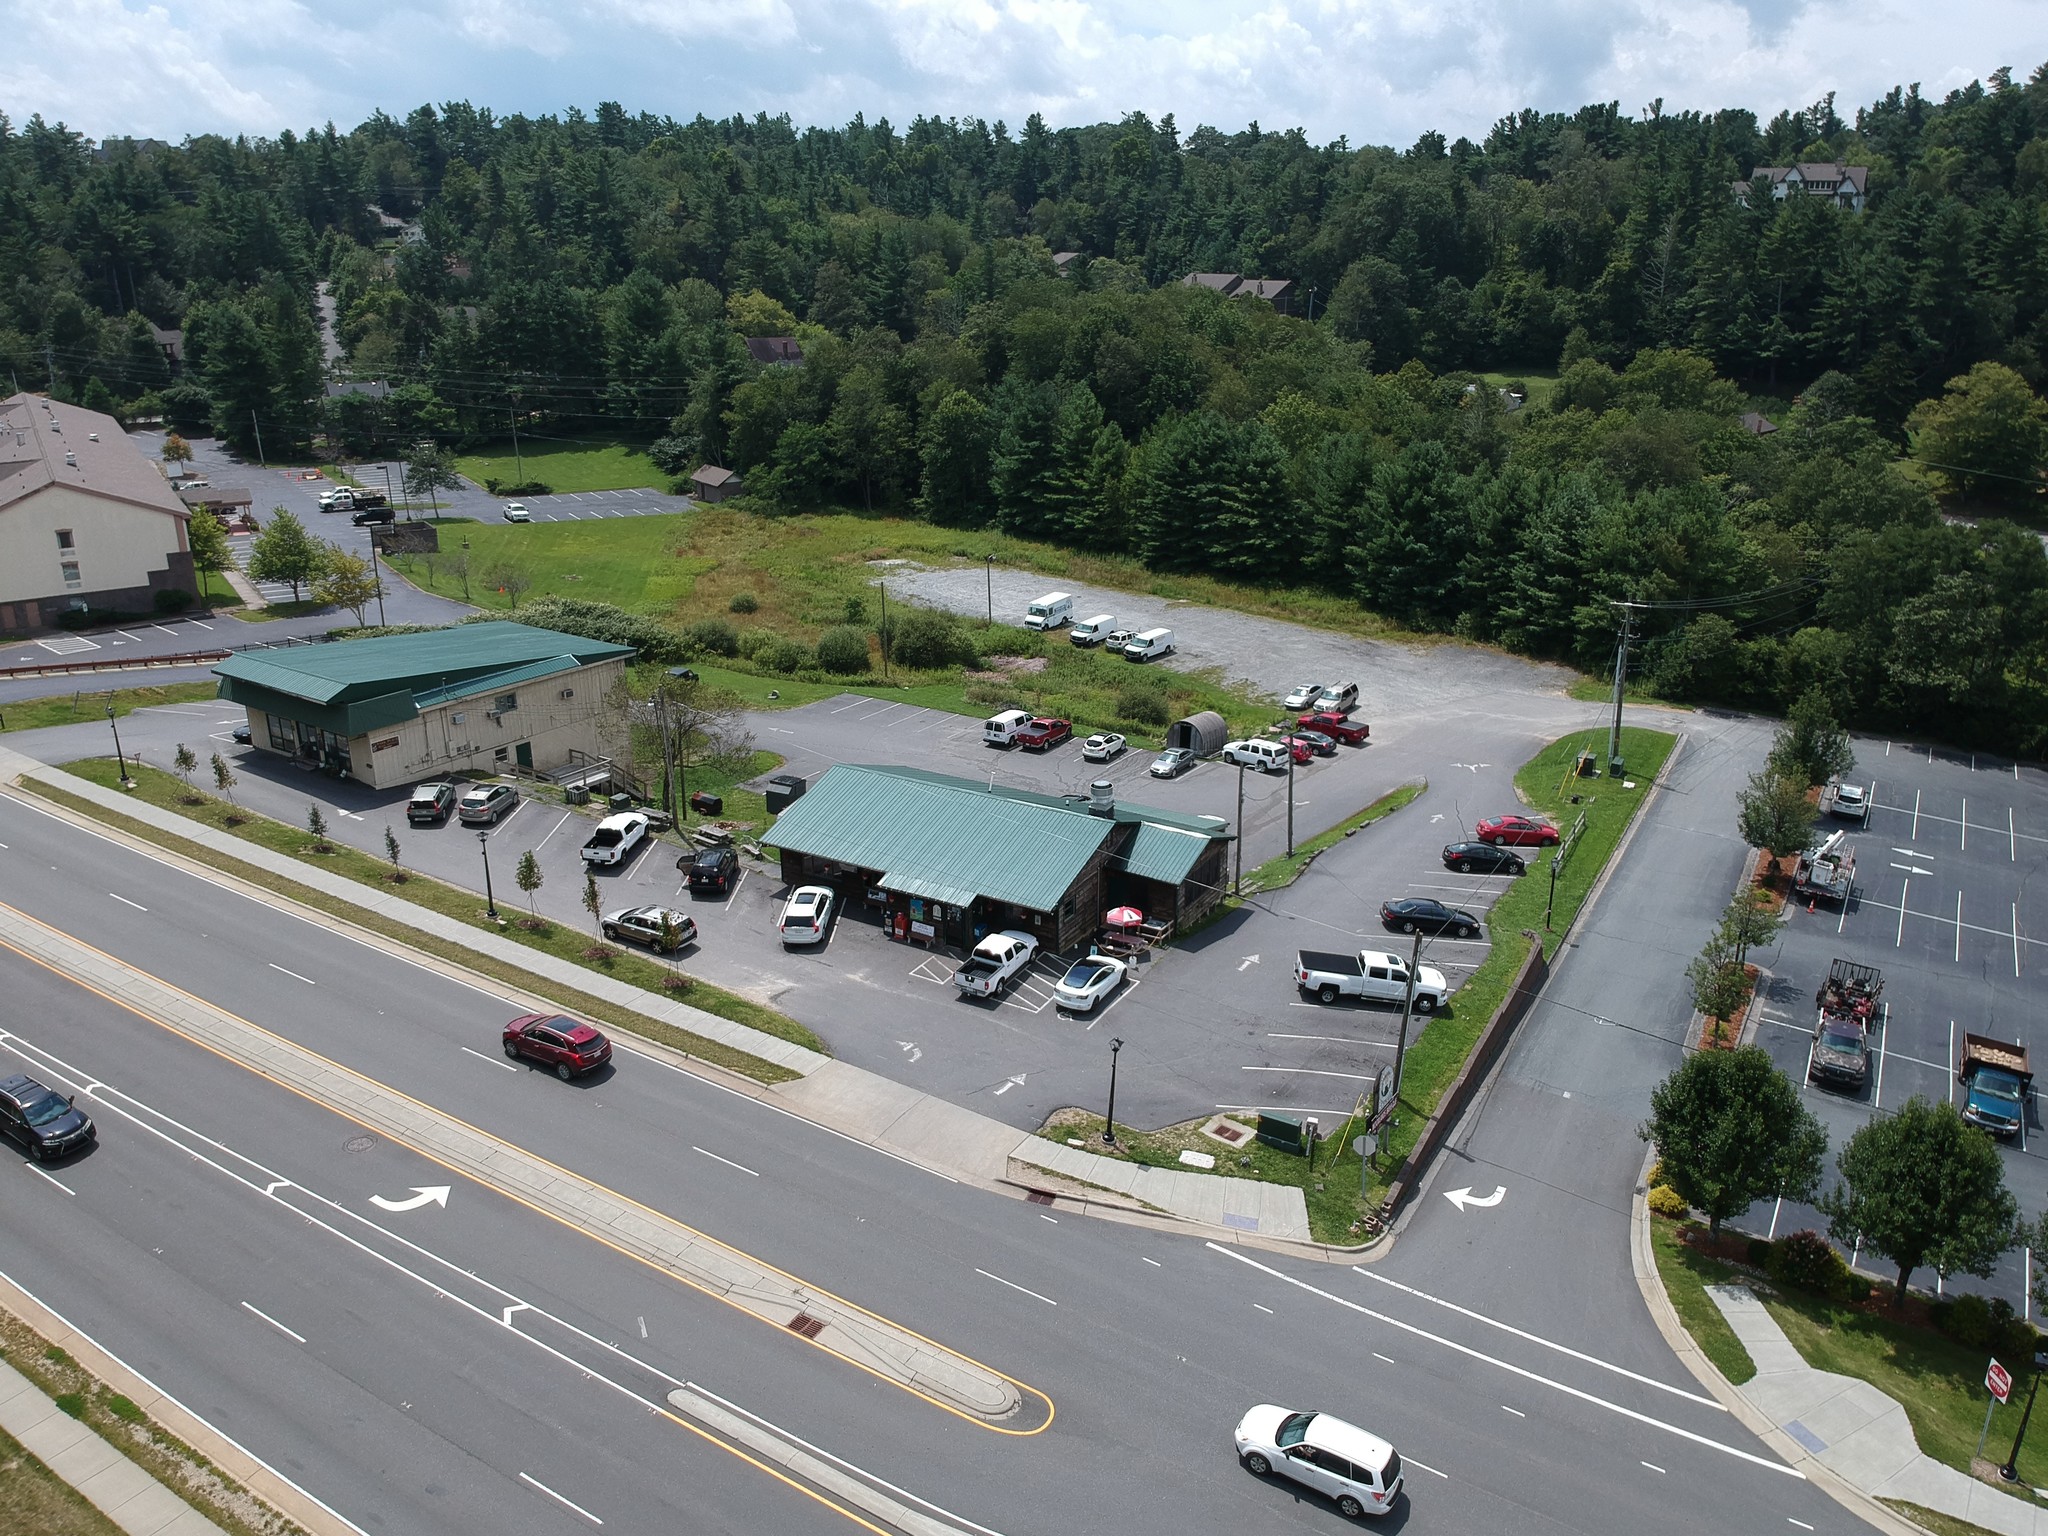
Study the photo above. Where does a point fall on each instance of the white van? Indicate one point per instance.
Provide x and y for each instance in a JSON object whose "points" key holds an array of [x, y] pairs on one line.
{"points": [[1149, 645], [1050, 611], [1267, 756], [1001, 730], [1338, 699], [1092, 631]]}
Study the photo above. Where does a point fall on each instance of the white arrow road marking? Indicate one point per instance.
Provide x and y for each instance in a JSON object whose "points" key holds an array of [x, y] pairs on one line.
{"points": [[911, 1048], [1247, 961], [423, 1194], [1439, 816], [1462, 1198], [1015, 1082], [1912, 869]]}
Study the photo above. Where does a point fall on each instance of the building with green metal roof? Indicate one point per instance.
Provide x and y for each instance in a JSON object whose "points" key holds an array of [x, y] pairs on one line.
{"points": [[946, 859], [473, 699]]}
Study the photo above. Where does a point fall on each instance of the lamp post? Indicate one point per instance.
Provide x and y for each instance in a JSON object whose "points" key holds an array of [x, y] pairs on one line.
{"points": [[2010, 1472], [988, 571], [120, 762], [1109, 1121], [483, 840]]}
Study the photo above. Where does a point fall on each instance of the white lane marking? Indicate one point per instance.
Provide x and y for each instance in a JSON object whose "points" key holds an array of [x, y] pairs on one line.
{"points": [[1914, 835], [1153, 1262], [1966, 826], [1512, 1369], [138, 906], [2012, 835], [1333, 1039], [1432, 1471], [1959, 927], [280, 1327], [422, 1194], [727, 1161], [2016, 939], [480, 1056], [1504, 1408], [1013, 1285], [32, 1168], [1563, 1349], [554, 829], [1378, 1356], [1053, 1219], [1899, 938], [1654, 1467], [295, 976], [1267, 1310], [565, 1503], [1800, 1523], [202, 623], [1356, 1077]]}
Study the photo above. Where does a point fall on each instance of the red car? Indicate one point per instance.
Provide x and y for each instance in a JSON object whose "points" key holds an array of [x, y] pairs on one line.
{"points": [[1299, 746], [1043, 733], [568, 1045], [1515, 832], [1336, 727]]}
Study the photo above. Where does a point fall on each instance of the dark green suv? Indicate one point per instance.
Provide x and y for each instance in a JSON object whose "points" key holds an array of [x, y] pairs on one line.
{"points": [[42, 1119]]}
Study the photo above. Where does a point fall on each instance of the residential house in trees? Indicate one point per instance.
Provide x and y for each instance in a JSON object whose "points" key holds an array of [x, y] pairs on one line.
{"points": [[1845, 185], [773, 351], [1276, 291]]}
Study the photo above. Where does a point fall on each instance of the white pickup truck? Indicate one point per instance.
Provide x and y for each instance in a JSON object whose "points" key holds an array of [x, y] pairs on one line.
{"points": [[615, 837], [1371, 973], [995, 963]]}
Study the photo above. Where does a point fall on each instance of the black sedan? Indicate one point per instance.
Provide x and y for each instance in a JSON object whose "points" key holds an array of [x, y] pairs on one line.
{"points": [[1482, 859], [1424, 914]]}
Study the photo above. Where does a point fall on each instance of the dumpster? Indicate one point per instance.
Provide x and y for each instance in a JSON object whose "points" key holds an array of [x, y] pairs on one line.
{"points": [[620, 802], [783, 790]]}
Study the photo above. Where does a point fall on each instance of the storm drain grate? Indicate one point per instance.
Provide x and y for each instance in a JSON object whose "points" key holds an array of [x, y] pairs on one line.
{"points": [[810, 1327], [1039, 1197]]}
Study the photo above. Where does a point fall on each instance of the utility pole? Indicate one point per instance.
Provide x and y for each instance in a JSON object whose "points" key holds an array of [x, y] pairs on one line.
{"points": [[519, 464], [1237, 880], [1290, 798], [258, 426], [1620, 681], [1407, 1013], [884, 585], [374, 566]]}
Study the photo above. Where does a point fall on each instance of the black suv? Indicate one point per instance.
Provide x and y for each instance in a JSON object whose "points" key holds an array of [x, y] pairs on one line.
{"points": [[715, 869], [42, 1119], [370, 515]]}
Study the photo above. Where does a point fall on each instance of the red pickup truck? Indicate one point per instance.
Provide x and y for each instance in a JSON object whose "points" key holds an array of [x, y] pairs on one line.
{"points": [[1336, 727], [1042, 733]]}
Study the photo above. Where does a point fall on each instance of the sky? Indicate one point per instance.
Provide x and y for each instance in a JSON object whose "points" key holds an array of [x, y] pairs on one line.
{"points": [[1370, 71]]}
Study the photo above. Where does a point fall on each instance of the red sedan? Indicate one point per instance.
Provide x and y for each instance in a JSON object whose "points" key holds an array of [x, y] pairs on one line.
{"points": [[1299, 746], [568, 1045], [1337, 727], [1516, 832]]}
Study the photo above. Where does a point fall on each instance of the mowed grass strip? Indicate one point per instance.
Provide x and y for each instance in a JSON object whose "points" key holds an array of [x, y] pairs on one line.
{"points": [[565, 466], [553, 938], [33, 1499], [1686, 1275], [91, 704]]}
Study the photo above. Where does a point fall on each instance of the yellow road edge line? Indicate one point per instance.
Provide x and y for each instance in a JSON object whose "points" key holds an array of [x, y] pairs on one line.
{"points": [[1051, 1409]]}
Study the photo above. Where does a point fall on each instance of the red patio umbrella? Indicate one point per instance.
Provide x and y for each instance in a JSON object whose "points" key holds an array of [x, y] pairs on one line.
{"points": [[1122, 917]]}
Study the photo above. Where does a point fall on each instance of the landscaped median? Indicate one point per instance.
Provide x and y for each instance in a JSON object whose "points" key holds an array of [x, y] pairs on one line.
{"points": [[556, 940], [1341, 1207]]}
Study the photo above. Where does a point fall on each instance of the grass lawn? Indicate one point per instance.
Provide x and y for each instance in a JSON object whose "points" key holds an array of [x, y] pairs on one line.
{"points": [[1939, 1382], [563, 942], [631, 562], [70, 708], [33, 1498], [1541, 381], [1686, 1275], [565, 465], [1600, 690]]}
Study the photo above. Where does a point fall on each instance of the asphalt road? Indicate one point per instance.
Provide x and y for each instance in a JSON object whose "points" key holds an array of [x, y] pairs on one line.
{"points": [[369, 1354]]}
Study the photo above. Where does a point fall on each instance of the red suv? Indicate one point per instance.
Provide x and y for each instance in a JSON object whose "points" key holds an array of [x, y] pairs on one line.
{"points": [[568, 1045], [1516, 832], [1337, 727]]}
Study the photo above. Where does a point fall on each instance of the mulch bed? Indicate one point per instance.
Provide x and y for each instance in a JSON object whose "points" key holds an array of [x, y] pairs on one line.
{"points": [[1733, 1248]]}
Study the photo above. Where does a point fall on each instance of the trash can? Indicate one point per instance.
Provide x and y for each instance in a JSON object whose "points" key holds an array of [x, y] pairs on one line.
{"points": [[576, 794], [784, 789], [621, 802], [707, 805]]}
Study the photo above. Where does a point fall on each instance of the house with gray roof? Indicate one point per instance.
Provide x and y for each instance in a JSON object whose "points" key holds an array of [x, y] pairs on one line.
{"points": [[474, 699], [88, 523], [1276, 291], [946, 860]]}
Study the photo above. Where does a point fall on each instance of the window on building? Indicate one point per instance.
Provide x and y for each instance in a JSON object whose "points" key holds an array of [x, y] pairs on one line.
{"points": [[282, 738], [71, 576], [64, 540], [505, 703]]}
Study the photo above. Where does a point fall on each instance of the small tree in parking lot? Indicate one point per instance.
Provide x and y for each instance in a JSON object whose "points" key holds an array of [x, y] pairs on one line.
{"points": [[185, 761], [1730, 1130], [593, 903], [1749, 921], [224, 777], [316, 823], [528, 876], [391, 852], [1774, 814], [1719, 981]]}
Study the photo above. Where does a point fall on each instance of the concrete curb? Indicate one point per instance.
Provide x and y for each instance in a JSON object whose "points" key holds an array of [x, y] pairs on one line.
{"points": [[242, 1465]]}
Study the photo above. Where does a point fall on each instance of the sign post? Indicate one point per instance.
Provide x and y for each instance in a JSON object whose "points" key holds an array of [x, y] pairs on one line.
{"points": [[1997, 1382]]}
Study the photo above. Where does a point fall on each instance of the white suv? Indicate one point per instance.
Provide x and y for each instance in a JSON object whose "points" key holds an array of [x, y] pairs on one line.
{"points": [[806, 915], [1269, 756]]}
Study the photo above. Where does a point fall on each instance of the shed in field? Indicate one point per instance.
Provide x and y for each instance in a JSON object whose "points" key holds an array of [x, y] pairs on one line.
{"points": [[1203, 734]]}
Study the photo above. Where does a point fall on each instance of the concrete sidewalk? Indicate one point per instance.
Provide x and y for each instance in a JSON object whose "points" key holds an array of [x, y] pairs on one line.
{"points": [[117, 1487], [904, 1121], [1857, 1432]]}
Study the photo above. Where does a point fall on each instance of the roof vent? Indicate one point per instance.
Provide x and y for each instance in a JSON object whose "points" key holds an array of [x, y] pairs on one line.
{"points": [[71, 458], [92, 437], [1102, 797]]}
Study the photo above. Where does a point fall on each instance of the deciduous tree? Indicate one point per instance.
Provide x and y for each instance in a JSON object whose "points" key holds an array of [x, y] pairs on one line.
{"points": [[1730, 1130], [1811, 746], [1986, 435], [1774, 814], [345, 581], [285, 552]]}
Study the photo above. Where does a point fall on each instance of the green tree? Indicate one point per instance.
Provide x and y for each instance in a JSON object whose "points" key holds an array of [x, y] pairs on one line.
{"points": [[1749, 921], [1717, 978], [316, 823], [843, 649], [954, 449], [211, 552], [1987, 435], [391, 850], [176, 450], [236, 370], [593, 903], [224, 778], [1810, 746], [186, 762], [1730, 1130], [345, 580], [429, 470], [528, 877], [1921, 1186], [1774, 815], [753, 314], [285, 552]]}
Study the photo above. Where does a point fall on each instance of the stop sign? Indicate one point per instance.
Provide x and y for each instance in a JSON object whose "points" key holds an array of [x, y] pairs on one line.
{"points": [[1999, 1380]]}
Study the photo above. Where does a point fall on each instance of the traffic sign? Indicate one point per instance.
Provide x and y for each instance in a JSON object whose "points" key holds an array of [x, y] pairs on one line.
{"points": [[1999, 1380]]}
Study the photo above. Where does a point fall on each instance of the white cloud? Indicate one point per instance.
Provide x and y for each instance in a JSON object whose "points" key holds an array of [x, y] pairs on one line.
{"points": [[1375, 71]]}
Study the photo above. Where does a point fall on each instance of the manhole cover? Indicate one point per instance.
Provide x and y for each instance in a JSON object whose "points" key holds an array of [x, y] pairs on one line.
{"points": [[359, 1144]]}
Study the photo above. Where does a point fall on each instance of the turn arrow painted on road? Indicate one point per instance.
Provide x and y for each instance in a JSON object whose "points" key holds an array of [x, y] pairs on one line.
{"points": [[1464, 1198], [429, 1194]]}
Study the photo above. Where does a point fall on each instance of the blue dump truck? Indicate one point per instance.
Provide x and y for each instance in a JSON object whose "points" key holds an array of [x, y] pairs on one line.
{"points": [[1997, 1084]]}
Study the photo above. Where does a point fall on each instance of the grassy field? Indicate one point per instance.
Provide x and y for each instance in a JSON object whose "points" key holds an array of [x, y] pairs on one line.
{"points": [[561, 941], [632, 562], [1541, 382], [565, 466], [1686, 1275], [70, 708]]}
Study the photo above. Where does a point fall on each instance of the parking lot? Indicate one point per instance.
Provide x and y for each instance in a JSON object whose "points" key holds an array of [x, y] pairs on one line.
{"points": [[1948, 905]]}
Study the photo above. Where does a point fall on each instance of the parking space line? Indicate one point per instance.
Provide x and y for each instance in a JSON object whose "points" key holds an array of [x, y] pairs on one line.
{"points": [[1356, 1077], [1966, 825], [1959, 927], [1899, 939], [634, 868], [554, 829], [2012, 836], [1916, 816], [1951, 1057], [1884, 1036], [2015, 939]]}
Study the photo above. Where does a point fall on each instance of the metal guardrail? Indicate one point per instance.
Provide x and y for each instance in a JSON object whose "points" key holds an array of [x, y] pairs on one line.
{"points": [[115, 664]]}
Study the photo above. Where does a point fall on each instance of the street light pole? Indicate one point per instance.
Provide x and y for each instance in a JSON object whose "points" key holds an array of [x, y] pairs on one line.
{"points": [[1237, 879], [1290, 797], [2010, 1472], [120, 762], [988, 571], [1109, 1121], [483, 840], [1407, 1012]]}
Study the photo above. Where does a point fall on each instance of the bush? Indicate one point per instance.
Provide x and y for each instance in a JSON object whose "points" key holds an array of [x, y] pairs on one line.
{"points": [[1805, 1261], [1966, 1319], [843, 649], [1668, 1202], [744, 602], [1143, 699], [1758, 1253], [518, 488], [173, 600], [715, 637], [926, 641], [603, 621], [754, 643], [786, 656]]}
